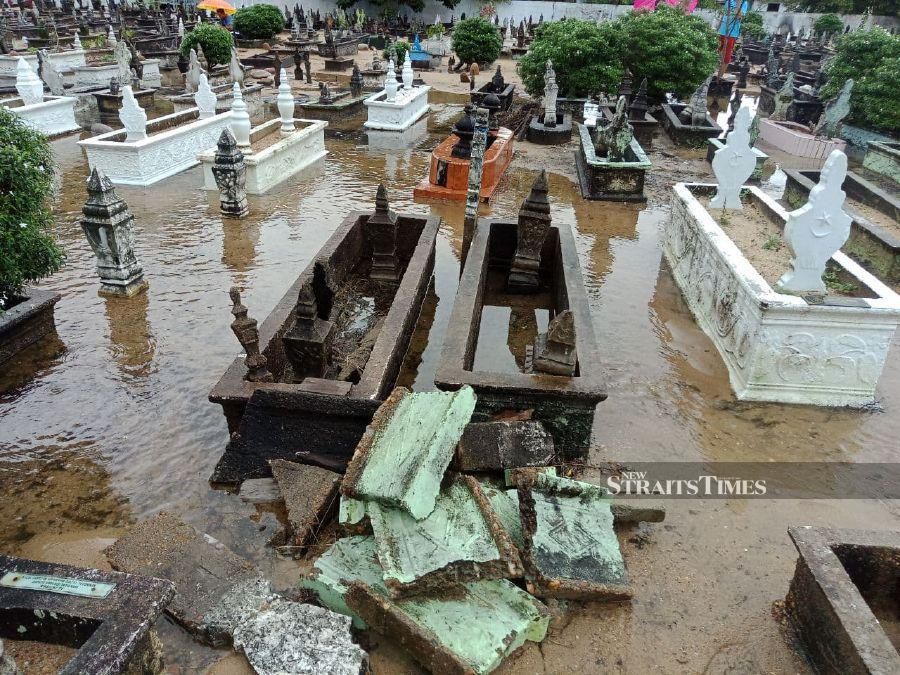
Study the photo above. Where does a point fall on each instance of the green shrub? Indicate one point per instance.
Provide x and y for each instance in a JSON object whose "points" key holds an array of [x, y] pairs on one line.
{"points": [[875, 101], [401, 47], [258, 22], [476, 40], [828, 24], [673, 50], [871, 58], [27, 252], [752, 26], [215, 41], [586, 58]]}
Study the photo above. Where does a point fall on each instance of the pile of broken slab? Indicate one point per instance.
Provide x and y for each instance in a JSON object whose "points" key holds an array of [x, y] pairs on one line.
{"points": [[451, 535]]}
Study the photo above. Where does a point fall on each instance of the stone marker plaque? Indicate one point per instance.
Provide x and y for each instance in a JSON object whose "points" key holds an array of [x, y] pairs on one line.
{"points": [[51, 584]]}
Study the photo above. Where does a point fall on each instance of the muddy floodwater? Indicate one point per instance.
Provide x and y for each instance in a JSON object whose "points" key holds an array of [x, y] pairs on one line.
{"points": [[108, 422]]}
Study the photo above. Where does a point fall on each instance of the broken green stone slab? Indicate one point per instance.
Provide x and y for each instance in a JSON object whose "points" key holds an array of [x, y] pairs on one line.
{"points": [[461, 540], [472, 630], [505, 503], [351, 511], [347, 560], [571, 549], [405, 451]]}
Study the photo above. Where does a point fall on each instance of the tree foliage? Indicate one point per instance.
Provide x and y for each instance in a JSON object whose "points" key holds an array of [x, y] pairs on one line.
{"points": [[27, 251], [673, 50], [401, 47], [878, 7], [752, 26], [215, 41], [476, 40], [586, 58], [258, 22], [828, 24], [872, 59]]}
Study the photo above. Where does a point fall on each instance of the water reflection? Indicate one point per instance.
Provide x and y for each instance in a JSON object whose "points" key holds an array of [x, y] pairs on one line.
{"points": [[132, 344]]}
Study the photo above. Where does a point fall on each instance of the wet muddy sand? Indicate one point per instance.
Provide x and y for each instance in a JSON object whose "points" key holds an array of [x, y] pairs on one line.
{"points": [[108, 422]]}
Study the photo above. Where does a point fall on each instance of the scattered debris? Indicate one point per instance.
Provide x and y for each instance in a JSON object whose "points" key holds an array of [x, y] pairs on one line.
{"points": [[571, 549], [289, 638], [213, 584], [461, 540], [494, 446], [513, 476], [401, 458], [310, 496]]}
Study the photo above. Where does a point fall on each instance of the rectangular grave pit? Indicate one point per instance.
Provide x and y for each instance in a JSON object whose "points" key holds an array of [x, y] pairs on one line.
{"points": [[687, 134], [110, 630], [843, 601], [335, 411], [565, 405]]}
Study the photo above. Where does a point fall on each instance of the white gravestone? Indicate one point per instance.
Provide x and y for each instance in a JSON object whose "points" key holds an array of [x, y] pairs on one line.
{"points": [[240, 120], [407, 72], [132, 116], [390, 82], [733, 164], [285, 104], [28, 84], [817, 230], [205, 99]]}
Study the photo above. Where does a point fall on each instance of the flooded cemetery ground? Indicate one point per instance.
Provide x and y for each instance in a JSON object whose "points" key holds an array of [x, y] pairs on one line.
{"points": [[108, 422]]}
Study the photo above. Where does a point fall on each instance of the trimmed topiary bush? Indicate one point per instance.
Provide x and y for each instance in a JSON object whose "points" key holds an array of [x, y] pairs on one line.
{"points": [[673, 50], [476, 40], [828, 24], [27, 252], [258, 22], [871, 58], [586, 58], [215, 41]]}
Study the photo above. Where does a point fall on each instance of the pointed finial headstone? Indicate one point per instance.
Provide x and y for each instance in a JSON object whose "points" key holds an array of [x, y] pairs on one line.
{"points": [[240, 118], [532, 227], [132, 116], [286, 104], [555, 351], [205, 99], [230, 173], [28, 84], [382, 232]]}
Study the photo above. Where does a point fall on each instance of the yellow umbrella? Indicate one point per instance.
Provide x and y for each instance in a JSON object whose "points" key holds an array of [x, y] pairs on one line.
{"points": [[216, 4]]}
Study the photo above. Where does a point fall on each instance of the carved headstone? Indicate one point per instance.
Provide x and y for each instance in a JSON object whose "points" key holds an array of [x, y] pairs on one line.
{"points": [[201, 59], [735, 106], [783, 99], [407, 73], [240, 118], [817, 230], [625, 86], [244, 328], [551, 89], [123, 60], [205, 99], [694, 114], [591, 112], [325, 97], [733, 164], [109, 228], [111, 40], [235, 70], [192, 76], [307, 342], [382, 233], [230, 173], [754, 131], [48, 73], [836, 110], [356, 82], [554, 351], [743, 71], [390, 83], [28, 84], [132, 116], [464, 130], [773, 65], [498, 84], [638, 108], [286, 105], [614, 139], [533, 225], [476, 166]]}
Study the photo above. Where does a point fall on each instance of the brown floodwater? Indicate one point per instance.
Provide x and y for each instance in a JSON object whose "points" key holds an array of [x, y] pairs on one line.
{"points": [[108, 422]]}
